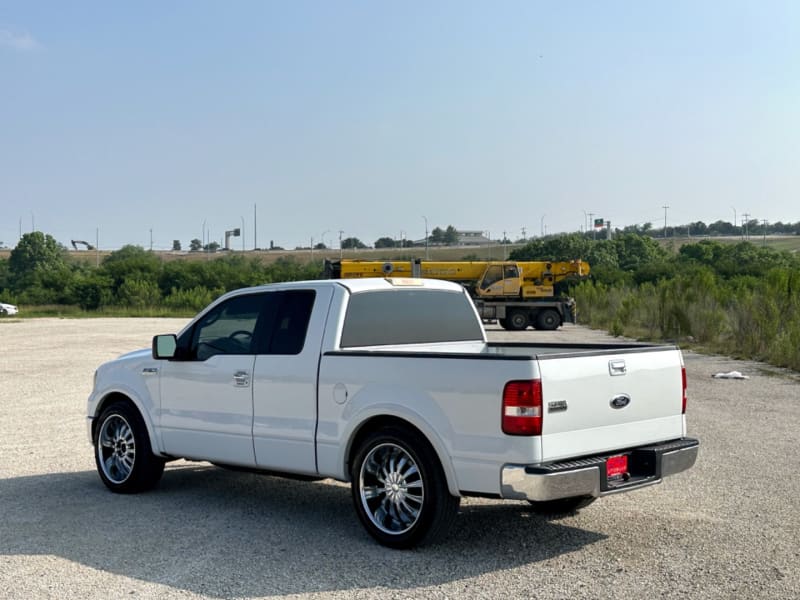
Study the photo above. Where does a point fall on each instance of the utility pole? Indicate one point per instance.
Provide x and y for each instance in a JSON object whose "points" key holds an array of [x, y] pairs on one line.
{"points": [[665, 207], [541, 225], [340, 244], [524, 238], [746, 218], [734, 219], [504, 245], [765, 231], [591, 224], [151, 239], [255, 227]]}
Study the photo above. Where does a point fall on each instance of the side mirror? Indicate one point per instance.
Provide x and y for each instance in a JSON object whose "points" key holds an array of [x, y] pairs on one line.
{"points": [[165, 346]]}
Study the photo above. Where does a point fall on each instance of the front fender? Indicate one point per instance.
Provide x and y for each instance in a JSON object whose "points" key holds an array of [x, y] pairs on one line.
{"points": [[113, 384]]}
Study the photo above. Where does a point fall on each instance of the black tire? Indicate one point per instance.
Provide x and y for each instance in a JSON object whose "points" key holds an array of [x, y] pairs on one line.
{"points": [[503, 323], [122, 451], [548, 320], [399, 489], [517, 320], [562, 506]]}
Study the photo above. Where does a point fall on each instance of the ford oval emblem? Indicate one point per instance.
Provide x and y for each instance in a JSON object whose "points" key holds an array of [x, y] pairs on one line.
{"points": [[620, 401]]}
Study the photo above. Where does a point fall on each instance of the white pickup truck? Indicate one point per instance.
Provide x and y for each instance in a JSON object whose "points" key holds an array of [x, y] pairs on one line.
{"points": [[391, 385]]}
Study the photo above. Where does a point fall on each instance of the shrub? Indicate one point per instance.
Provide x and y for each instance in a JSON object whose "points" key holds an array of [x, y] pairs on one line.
{"points": [[138, 293]]}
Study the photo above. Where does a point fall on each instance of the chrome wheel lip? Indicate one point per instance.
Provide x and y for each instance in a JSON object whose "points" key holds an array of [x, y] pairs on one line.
{"points": [[116, 449], [391, 488]]}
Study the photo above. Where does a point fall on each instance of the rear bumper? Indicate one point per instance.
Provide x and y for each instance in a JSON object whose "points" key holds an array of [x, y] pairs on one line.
{"points": [[648, 465]]}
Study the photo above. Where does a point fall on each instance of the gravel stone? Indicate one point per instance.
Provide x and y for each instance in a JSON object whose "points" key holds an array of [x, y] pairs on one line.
{"points": [[728, 528]]}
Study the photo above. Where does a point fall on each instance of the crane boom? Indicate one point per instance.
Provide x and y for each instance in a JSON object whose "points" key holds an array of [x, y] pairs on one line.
{"points": [[516, 293]]}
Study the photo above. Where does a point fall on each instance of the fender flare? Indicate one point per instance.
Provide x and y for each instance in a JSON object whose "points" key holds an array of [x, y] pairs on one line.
{"points": [[415, 420], [108, 396]]}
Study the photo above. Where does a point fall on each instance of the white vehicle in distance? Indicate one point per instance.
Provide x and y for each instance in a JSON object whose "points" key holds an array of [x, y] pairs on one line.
{"points": [[391, 385], [8, 309]]}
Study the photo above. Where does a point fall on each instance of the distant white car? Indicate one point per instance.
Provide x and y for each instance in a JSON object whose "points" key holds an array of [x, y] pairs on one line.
{"points": [[8, 309]]}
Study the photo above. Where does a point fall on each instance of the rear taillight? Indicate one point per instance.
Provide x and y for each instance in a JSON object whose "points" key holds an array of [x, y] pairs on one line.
{"points": [[522, 407], [683, 400]]}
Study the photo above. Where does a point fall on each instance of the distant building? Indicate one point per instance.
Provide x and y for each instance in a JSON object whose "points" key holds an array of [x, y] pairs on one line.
{"points": [[465, 238], [472, 238]]}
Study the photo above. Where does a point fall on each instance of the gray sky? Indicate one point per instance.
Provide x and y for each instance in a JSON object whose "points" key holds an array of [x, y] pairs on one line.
{"points": [[366, 116]]}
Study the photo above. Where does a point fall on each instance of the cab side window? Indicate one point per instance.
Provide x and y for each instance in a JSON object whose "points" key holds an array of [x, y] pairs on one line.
{"points": [[290, 321], [229, 328]]}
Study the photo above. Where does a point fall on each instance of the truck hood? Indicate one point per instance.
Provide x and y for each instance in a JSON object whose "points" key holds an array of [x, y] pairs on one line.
{"points": [[135, 355], [128, 361]]}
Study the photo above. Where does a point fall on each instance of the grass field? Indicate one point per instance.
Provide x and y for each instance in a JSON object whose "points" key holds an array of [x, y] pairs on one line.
{"points": [[790, 243]]}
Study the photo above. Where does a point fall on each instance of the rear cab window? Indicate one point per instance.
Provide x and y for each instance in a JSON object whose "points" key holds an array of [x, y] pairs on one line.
{"points": [[409, 316]]}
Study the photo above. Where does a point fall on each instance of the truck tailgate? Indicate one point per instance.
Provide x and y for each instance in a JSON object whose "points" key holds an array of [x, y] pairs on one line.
{"points": [[608, 401]]}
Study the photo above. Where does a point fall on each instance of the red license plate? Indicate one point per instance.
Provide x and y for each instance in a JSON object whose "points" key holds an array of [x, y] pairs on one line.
{"points": [[616, 466]]}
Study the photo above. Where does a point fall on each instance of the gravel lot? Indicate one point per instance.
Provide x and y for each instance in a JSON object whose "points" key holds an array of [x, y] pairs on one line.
{"points": [[728, 528]]}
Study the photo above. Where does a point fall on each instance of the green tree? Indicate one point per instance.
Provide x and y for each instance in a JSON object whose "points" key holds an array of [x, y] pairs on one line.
{"points": [[4, 282], [91, 291], [635, 250], [352, 243], [176, 245], [195, 245], [557, 248], [385, 242], [35, 255], [138, 293], [451, 236], [133, 263]]}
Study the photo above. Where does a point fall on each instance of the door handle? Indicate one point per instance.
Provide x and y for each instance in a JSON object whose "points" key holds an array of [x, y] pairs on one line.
{"points": [[241, 379]]}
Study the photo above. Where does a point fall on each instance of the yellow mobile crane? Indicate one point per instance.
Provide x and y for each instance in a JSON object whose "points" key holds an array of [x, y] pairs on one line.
{"points": [[516, 293]]}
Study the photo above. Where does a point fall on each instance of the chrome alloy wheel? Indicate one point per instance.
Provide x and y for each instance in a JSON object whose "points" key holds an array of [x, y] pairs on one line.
{"points": [[391, 487], [116, 449]]}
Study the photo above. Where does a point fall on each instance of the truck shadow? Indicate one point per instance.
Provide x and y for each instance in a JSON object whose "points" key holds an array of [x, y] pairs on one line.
{"points": [[221, 534]]}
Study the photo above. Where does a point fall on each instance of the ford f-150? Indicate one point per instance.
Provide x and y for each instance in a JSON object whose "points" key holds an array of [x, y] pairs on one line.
{"points": [[391, 385]]}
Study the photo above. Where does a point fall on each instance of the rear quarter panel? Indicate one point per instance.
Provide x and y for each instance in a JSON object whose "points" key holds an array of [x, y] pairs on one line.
{"points": [[455, 401]]}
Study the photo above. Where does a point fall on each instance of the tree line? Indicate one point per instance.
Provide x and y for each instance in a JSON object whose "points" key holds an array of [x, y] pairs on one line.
{"points": [[38, 273], [449, 236], [738, 298]]}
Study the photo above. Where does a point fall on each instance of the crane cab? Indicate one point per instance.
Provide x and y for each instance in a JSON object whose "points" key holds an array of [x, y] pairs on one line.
{"points": [[507, 280]]}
